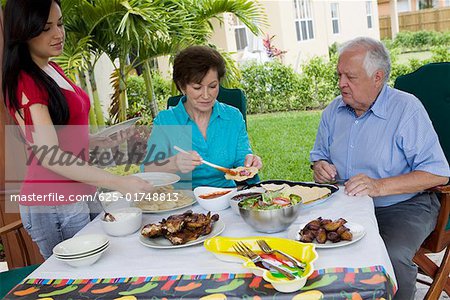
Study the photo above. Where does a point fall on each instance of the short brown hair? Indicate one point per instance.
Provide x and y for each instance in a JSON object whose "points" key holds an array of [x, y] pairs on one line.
{"points": [[192, 64]]}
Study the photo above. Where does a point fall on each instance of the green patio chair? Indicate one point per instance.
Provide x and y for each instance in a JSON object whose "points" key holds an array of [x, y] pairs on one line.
{"points": [[233, 97], [431, 84], [9, 279]]}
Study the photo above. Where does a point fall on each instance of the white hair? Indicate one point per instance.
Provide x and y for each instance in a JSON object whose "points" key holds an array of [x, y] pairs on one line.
{"points": [[377, 56]]}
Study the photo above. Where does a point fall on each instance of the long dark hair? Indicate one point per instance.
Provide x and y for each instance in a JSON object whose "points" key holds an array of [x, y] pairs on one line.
{"points": [[24, 20]]}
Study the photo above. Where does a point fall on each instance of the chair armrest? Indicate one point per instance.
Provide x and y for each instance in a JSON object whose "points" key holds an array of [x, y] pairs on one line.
{"points": [[443, 189], [11, 227]]}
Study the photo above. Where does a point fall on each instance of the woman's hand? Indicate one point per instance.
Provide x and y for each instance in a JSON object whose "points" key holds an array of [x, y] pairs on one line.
{"points": [[252, 160], [111, 140], [132, 184], [187, 162]]}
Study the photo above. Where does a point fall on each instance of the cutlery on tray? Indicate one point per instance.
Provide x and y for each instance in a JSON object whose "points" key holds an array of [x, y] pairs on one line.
{"points": [[220, 168], [245, 251], [267, 249]]}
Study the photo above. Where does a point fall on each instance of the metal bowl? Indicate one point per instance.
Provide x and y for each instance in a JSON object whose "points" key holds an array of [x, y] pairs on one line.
{"points": [[270, 221]]}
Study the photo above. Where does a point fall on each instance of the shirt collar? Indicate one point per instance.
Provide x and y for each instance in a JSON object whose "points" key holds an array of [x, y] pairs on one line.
{"points": [[378, 107], [217, 111]]}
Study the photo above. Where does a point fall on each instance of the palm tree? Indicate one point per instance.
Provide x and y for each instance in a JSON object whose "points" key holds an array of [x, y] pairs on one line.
{"points": [[190, 24], [79, 55], [149, 28]]}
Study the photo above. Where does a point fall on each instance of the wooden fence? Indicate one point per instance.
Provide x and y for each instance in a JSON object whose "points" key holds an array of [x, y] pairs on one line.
{"points": [[435, 19]]}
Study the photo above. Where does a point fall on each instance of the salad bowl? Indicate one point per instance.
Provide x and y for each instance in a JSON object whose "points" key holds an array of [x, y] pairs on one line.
{"points": [[270, 213]]}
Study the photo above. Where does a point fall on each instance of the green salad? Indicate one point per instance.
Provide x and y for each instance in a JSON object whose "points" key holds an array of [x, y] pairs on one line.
{"points": [[270, 200]]}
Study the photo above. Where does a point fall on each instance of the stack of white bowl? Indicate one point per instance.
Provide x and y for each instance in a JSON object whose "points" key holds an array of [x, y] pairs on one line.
{"points": [[82, 250]]}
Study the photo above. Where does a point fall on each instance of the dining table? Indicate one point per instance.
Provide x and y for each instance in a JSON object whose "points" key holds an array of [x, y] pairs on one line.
{"points": [[129, 269]]}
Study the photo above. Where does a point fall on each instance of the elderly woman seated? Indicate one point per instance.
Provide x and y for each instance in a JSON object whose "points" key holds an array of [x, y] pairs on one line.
{"points": [[211, 130]]}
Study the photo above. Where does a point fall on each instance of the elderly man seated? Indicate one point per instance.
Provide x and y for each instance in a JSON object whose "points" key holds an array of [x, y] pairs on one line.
{"points": [[381, 141]]}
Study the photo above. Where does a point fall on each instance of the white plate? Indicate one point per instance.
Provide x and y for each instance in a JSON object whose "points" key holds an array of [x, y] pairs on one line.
{"points": [[116, 128], [189, 194], [163, 243], [159, 178], [357, 230]]}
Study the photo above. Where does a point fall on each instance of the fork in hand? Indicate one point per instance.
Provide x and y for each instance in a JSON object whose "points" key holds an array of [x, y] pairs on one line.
{"points": [[267, 249], [245, 251], [220, 168]]}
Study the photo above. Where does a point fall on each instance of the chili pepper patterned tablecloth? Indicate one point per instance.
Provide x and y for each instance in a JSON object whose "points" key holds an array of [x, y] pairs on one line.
{"points": [[336, 283]]}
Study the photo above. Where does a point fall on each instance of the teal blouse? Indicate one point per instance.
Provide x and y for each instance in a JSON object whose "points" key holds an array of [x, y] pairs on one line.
{"points": [[226, 142]]}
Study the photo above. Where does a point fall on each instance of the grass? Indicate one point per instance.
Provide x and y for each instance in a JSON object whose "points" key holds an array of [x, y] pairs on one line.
{"points": [[283, 141], [405, 57]]}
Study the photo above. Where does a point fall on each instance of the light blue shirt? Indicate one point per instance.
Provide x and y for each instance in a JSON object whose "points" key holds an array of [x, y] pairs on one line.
{"points": [[226, 142], [395, 136]]}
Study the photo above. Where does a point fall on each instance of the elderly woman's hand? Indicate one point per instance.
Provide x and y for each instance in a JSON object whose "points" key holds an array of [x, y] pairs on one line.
{"points": [[252, 160], [187, 162]]}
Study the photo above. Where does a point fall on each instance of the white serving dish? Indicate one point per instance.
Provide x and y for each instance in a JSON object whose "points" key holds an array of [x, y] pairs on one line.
{"points": [[213, 204], [128, 221], [81, 244], [83, 261]]}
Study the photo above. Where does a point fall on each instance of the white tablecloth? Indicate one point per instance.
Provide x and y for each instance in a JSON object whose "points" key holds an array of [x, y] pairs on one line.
{"points": [[126, 257]]}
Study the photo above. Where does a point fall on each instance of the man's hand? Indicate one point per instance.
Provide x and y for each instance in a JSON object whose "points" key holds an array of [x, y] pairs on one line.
{"points": [[363, 185], [324, 171]]}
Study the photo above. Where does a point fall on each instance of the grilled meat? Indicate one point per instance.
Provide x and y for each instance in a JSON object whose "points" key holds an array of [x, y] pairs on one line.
{"points": [[182, 228]]}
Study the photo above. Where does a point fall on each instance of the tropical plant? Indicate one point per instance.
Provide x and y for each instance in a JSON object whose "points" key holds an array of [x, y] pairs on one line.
{"points": [[189, 22]]}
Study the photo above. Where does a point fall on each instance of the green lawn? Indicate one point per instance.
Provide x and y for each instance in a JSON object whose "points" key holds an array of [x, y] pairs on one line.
{"points": [[284, 140], [405, 57]]}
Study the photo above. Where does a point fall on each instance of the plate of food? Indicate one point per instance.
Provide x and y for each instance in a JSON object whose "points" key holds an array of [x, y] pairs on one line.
{"points": [[159, 178], [326, 233], [108, 131], [311, 194], [165, 199], [182, 230]]}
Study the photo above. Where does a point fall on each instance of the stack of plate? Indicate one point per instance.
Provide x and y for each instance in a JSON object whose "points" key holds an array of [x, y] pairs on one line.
{"points": [[83, 250]]}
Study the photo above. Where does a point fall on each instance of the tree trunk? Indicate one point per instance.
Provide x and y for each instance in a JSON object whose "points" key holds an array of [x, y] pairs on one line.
{"points": [[92, 120], [96, 99], [146, 71], [123, 100]]}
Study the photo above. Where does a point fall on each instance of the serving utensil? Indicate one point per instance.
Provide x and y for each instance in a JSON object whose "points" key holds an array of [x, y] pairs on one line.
{"points": [[107, 217], [220, 168], [245, 251], [267, 249]]}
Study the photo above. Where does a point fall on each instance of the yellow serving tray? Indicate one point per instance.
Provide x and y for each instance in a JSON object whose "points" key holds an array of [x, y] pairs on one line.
{"points": [[222, 248]]}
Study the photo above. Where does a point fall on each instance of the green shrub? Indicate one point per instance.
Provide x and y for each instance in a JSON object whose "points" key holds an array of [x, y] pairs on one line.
{"points": [[420, 40], [398, 70], [440, 54], [138, 103], [271, 87], [319, 82]]}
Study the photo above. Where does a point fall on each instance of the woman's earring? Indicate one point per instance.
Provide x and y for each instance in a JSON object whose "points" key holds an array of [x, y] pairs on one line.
{"points": [[183, 92]]}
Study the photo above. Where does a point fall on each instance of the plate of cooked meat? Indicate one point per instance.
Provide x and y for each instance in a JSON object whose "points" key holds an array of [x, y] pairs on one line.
{"points": [[181, 230], [326, 233]]}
